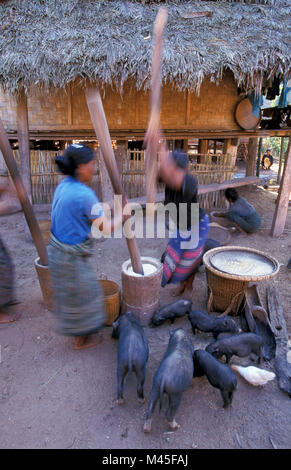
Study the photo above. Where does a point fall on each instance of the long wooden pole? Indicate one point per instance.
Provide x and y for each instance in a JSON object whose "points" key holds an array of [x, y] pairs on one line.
{"points": [[99, 122], [155, 107], [282, 204], [23, 196], [23, 140]]}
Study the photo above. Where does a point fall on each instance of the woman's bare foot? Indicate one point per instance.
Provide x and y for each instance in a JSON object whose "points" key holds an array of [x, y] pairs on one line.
{"points": [[178, 290], [84, 342], [6, 318]]}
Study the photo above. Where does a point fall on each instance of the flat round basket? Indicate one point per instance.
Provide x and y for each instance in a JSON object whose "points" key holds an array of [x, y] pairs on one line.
{"points": [[241, 263], [229, 269], [244, 116]]}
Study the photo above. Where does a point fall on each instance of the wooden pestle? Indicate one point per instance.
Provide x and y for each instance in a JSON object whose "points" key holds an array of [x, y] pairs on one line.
{"points": [[152, 134], [98, 118], [23, 196]]}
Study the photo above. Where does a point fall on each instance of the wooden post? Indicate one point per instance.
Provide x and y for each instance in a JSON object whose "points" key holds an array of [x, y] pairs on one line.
{"points": [[203, 147], [23, 140], [23, 196], [280, 161], [282, 204], [99, 122], [252, 156], [259, 157], [230, 148]]}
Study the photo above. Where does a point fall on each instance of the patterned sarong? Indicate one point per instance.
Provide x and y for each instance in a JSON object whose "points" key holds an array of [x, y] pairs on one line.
{"points": [[180, 263], [79, 297], [6, 276]]}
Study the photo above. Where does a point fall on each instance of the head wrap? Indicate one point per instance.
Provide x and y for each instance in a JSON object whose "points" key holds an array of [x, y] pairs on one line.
{"points": [[180, 159], [74, 155]]}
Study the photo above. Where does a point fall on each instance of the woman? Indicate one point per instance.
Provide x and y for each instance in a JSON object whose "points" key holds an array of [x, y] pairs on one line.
{"points": [[79, 297], [6, 269], [180, 263], [241, 212]]}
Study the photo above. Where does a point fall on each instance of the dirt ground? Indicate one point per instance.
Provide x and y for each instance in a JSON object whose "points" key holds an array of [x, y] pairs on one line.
{"points": [[54, 397]]}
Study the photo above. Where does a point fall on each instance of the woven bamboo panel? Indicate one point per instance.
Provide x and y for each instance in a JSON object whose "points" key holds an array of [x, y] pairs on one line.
{"points": [[213, 109], [45, 177]]}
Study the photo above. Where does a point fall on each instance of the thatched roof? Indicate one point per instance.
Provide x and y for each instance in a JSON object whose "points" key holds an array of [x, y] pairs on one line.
{"points": [[53, 42]]}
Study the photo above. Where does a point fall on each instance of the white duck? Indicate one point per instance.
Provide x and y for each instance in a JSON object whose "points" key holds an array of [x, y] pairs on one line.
{"points": [[254, 375]]}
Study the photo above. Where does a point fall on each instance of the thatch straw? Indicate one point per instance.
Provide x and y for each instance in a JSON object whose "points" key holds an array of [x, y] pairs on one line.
{"points": [[53, 42]]}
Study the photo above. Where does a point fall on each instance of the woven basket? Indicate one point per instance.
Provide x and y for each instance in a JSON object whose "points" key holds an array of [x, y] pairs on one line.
{"points": [[227, 291], [111, 299]]}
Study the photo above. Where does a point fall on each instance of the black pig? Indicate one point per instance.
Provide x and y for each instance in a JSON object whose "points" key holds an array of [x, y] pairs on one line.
{"points": [[204, 322], [219, 375], [240, 345], [172, 377], [179, 308], [133, 353]]}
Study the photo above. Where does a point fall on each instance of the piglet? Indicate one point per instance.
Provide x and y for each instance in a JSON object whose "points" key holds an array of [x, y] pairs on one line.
{"points": [[219, 375], [176, 309], [204, 322], [133, 352], [173, 376], [239, 345]]}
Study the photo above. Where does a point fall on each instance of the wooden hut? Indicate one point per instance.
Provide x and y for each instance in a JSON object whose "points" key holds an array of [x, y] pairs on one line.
{"points": [[215, 53]]}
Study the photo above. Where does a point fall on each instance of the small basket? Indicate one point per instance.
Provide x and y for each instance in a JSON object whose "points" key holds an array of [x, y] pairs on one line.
{"points": [[111, 299]]}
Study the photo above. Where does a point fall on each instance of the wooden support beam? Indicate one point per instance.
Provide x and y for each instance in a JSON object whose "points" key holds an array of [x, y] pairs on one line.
{"points": [[280, 161], [252, 156], [282, 204], [23, 140]]}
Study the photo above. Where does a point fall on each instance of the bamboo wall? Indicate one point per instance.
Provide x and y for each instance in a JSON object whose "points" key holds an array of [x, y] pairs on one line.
{"points": [[66, 109], [45, 176]]}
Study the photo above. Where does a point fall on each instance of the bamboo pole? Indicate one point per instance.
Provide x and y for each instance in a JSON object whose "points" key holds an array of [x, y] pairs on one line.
{"points": [[23, 196], [99, 122]]}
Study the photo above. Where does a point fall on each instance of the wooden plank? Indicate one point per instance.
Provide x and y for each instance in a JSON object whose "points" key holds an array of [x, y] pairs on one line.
{"points": [[282, 204], [205, 188], [278, 326]]}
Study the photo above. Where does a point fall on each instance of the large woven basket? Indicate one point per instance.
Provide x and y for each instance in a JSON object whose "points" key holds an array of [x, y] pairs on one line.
{"points": [[227, 291], [111, 299]]}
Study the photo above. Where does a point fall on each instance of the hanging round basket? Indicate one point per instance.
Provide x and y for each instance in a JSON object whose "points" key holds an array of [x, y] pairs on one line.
{"points": [[244, 116]]}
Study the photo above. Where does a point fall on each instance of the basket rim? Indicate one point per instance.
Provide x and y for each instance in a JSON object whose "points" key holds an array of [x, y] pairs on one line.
{"points": [[235, 276], [109, 281]]}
